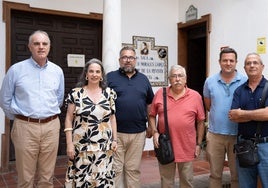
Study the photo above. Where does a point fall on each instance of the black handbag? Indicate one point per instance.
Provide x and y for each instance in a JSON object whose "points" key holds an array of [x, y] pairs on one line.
{"points": [[247, 150], [164, 152], [247, 153]]}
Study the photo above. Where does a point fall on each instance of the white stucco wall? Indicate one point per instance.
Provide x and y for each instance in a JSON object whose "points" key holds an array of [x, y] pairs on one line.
{"points": [[80, 6], [237, 24], [152, 18]]}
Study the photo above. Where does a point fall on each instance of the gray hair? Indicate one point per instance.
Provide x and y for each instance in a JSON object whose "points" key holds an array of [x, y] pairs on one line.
{"points": [[38, 31], [176, 67], [253, 53]]}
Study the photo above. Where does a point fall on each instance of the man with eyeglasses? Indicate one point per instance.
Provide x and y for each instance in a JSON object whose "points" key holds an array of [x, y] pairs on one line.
{"points": [[247, 113], [134, 96], [221, 136], [186, 127]]}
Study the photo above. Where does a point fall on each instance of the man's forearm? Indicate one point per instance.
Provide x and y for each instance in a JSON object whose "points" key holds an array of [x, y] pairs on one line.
{"points": [[238, 115], [200, 132]]}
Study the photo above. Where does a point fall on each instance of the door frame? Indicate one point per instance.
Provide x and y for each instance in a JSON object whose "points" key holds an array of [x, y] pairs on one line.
{"points": [[7, 8], [182, 39]]}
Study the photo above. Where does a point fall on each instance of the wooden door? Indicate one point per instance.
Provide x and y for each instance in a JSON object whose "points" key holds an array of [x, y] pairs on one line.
{"points": [[193, 50]]}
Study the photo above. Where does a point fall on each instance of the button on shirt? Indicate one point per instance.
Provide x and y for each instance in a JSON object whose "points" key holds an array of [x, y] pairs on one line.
{"points": [[133, 96], [31, 90], [245, 99], [221, 96]]}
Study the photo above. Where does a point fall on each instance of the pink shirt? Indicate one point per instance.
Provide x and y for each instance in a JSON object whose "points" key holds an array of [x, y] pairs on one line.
{"points": [[182, 116]]}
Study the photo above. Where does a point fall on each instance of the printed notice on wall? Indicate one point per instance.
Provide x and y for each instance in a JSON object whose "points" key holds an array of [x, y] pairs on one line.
{"points": [[261, 45], [151, 60], [76, 60]]}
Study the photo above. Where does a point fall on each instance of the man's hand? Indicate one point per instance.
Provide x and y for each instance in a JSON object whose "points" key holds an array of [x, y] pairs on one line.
{"points": [[149, 132], [155, 139], [238, 115], [234, 114]]}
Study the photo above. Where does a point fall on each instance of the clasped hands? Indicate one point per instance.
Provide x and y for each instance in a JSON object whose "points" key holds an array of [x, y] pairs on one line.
{"points": [[235, 115]]}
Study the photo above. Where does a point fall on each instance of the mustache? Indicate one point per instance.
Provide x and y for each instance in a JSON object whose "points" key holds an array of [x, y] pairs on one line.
{"points": [[128, 69], [178, 83]]}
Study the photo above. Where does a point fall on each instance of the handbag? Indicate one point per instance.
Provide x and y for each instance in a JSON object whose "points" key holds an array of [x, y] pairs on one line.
{"points": [[164, 152], [247, 153], [247, 150]]}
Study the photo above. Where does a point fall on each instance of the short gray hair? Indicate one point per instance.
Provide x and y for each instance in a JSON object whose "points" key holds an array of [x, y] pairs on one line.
{"points": [[38, 31], [253, 53], [176, 67]]}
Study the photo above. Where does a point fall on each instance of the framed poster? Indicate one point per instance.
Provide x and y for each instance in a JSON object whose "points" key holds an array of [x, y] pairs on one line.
{"points": [[152, 60]]}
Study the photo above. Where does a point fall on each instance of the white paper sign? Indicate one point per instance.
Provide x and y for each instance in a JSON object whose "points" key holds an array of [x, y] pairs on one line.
{"points": [[76, 60]]}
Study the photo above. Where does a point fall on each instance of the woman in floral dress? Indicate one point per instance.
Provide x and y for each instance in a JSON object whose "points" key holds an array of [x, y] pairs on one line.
{"points": [[90, 128]]}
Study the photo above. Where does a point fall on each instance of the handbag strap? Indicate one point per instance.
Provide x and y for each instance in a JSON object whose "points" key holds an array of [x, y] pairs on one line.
{"points": [[262, 105], [165, 110]]}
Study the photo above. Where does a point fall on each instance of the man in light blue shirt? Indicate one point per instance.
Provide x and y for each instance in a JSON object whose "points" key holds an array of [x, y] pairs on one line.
{"points": [[31, 95], [221, 136]]}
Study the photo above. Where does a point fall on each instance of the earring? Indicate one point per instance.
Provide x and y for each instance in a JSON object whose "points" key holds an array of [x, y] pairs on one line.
{"points": [[86, 78], [101, 79]]}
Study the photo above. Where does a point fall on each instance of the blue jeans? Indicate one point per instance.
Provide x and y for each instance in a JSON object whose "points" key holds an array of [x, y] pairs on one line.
{"points": [[248, 176]]}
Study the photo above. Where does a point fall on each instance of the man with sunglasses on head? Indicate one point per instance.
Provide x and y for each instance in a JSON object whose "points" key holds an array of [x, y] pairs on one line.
{"points": [[221, 136], [134, 96]]}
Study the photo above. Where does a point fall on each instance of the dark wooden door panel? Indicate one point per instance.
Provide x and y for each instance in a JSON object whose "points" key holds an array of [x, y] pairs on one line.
{"points": [[68, 36]]}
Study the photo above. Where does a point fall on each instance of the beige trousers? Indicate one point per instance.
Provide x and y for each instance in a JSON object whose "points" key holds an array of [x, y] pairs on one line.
{"points": [[127, 159], [168, 172], [36, 147], [218, 146]]}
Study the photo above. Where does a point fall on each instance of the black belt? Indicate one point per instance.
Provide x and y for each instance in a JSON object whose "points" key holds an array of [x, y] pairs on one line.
{"points": [[258, 140], [45, 120]]}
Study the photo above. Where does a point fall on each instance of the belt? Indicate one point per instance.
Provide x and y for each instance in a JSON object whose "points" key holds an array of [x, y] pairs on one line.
{"points": [[258, 140], [36, 120]]}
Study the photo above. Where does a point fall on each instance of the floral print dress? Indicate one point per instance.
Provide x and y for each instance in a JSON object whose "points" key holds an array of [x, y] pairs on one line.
{"points": [[92, 138]]}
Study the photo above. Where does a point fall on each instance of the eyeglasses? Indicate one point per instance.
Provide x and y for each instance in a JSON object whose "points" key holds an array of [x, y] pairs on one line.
{"points": [[127, 58], [177, 76]]}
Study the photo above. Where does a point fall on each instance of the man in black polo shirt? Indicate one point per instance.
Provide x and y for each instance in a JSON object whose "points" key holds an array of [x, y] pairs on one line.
{"points": [[246, 112], [134, 95]]}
